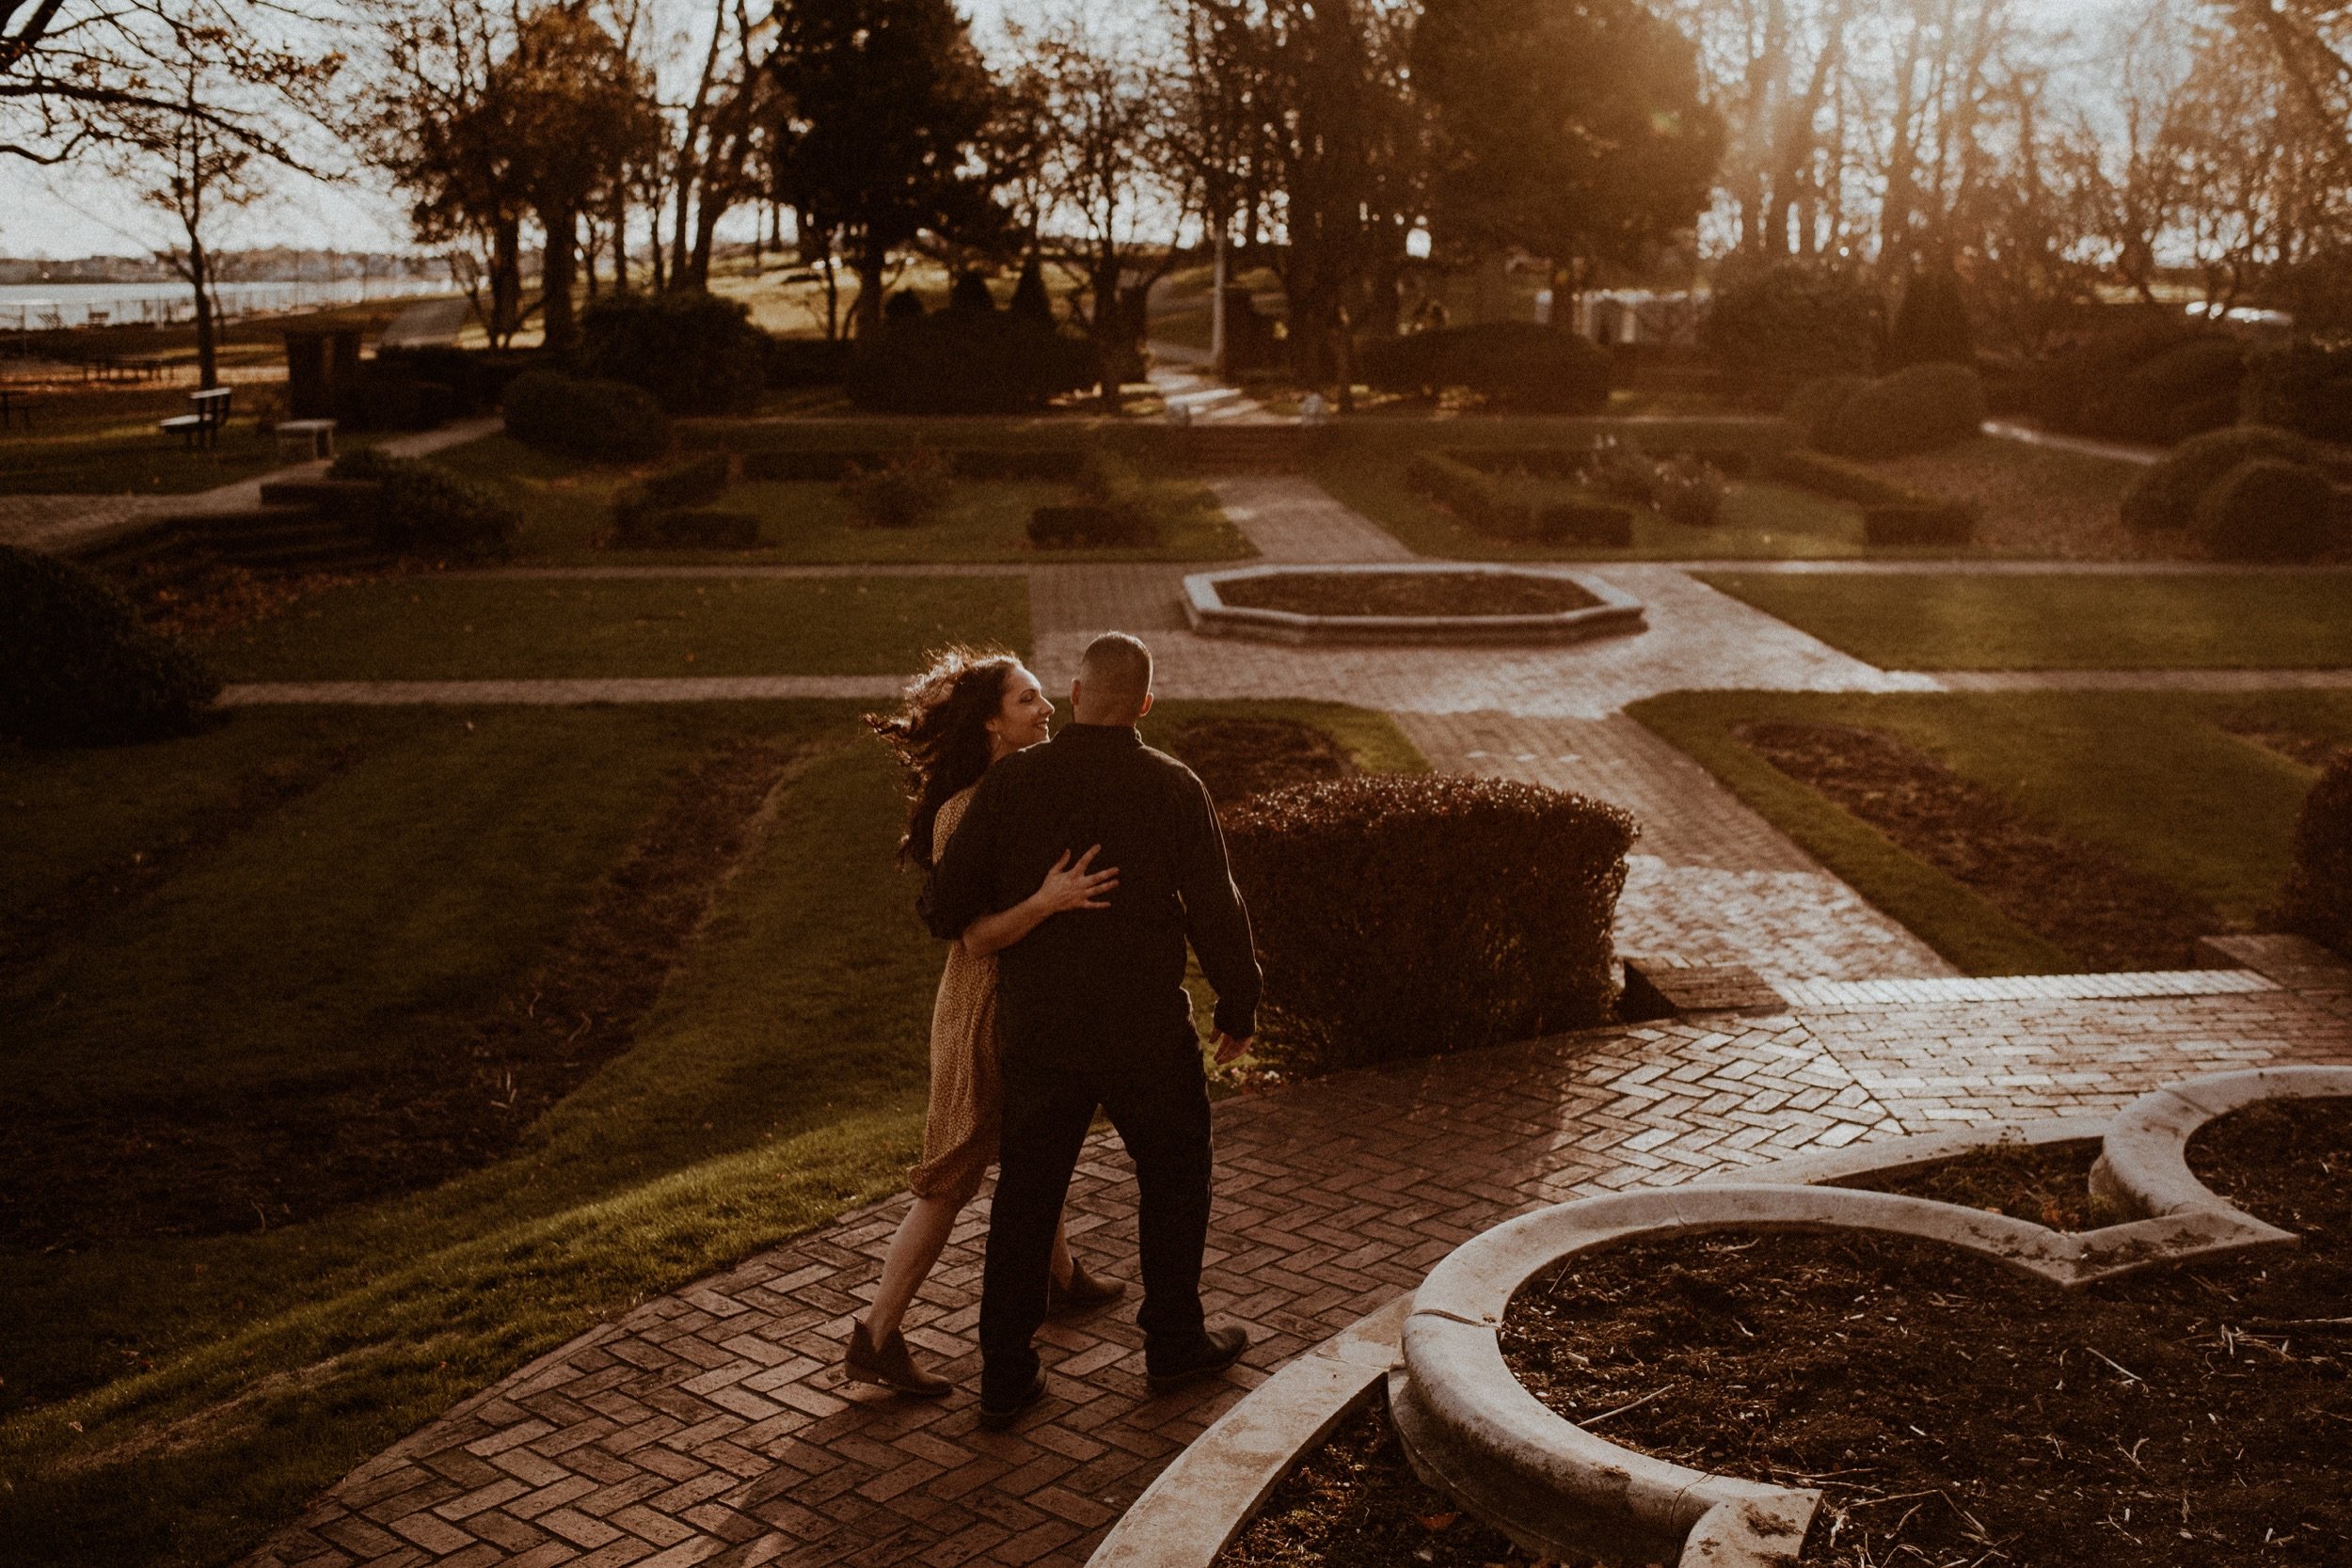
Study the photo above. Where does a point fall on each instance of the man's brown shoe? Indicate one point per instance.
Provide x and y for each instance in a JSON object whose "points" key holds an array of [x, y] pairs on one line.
{"points": [[1218, 1349], [889, 1364], [1083, 1293]]}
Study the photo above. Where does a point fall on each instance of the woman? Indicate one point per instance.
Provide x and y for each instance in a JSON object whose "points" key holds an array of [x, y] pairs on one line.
{"points": [[961, 716]]}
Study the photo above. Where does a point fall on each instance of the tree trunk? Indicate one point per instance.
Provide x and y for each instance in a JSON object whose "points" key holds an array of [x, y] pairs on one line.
{"points": [[555, 278], [200, 271], [506, 280], [865, 312]]}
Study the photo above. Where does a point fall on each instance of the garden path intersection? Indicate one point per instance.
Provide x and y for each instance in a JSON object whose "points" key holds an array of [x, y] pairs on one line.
{"points": [[710, 1425]]}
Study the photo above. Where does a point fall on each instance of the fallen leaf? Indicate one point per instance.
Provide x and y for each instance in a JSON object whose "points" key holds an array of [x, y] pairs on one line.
{"points": [[1439, 1521]]}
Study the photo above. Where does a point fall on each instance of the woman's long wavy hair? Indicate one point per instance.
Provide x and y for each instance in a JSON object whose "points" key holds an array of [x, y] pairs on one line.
{"points": [[940, 733]]}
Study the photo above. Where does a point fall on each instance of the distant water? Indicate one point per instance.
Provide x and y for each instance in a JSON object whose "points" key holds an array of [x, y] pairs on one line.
{"points": [[25, 307]]}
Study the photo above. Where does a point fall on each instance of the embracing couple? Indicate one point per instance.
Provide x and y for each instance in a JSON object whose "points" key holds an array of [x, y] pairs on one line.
{"points": [[1069, 874]]}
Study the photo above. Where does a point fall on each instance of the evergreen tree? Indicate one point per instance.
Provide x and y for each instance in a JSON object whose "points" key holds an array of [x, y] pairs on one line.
{"points": [[1932, 325]]}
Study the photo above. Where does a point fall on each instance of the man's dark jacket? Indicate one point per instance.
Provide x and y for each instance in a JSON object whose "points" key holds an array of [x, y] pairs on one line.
{"points": [[1086, 978]]}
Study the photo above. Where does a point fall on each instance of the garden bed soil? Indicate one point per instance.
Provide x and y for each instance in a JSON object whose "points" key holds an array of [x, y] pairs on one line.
{"points": [[1240, 757], [2088, 900], [1406, 593], [2046, 1185], [1954, 1412], [417, 1121]]}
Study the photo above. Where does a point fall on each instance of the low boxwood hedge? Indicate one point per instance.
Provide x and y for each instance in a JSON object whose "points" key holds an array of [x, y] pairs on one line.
{"points": [[1486, 503], [78, 668], [2316, 901], [2267, 510], [1892, 514], [1918, 409], [2164, 495], [670, 507], [1404, 916]]}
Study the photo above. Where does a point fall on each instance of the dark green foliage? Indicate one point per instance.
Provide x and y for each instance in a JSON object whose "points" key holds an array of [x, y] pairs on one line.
{"points": [[2302, 388], [471, 380], [689, 528], [1030, 301], [2155, 379], [78, 669], [1407, 916], [1516, 365], [1688, 490], [2266, 509], [1774, 329], [1487, 503], [1919, 409], [1815, 406], [909, 490], [1049, 465], [904, 306], [1932, 325], [1892, 514], [609, 419], [2316, 901], [960, 362], [667, 506], [2165, 494], [970, 293], [795, 362], [1118, 507], [365, 463], [422, 510], [694, 352]]}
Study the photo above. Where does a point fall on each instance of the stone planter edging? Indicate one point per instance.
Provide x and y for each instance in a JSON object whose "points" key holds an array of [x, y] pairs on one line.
{"points": [[1207, 612], [1473, 1429]]}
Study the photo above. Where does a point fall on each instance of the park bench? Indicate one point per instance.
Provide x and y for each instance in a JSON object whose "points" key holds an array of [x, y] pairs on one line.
{"points": [[14, 404], [202, 425]]}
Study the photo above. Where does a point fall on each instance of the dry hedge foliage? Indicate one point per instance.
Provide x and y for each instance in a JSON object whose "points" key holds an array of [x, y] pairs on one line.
{"points": [[1407, 916], [2317, 899]]}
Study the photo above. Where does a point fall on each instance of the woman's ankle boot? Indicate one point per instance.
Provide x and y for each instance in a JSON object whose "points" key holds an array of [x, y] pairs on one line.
{"points": [[889, 1364]]}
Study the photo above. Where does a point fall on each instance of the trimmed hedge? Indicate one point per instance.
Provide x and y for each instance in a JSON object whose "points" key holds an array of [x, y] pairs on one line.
{"points": [[1518, 365], [2267, 510], [906, 492], [1914, 410], [1118, 508], [967, 362], [1815, 406], [1402, 916], [2302, 388], [2157, 379], [609, 419], [424, 510], [2316, 901], [1486, 504], [77, 667], [2165, 494], [1788, 324], [1892, 514], [791, 363], [696, 353], [671, 507], [1045, 464]]}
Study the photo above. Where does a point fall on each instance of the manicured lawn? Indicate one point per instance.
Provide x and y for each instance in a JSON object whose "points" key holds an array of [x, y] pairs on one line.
{"points": [[515, 628], [105, 443], [566, 511], [309, 898], [2152, 776], [2065, 621]]}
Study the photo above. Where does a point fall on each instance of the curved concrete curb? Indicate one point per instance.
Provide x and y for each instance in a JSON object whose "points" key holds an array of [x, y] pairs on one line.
{"points": [[1208, 613], [1473, 1430]]}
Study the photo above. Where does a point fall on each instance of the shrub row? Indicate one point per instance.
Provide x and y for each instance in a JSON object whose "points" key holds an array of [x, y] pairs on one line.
{"points": [[1405, 916], [77, 667], [2316, 901], [695, 353], [2158, 379], [968, 362], [1916, 409], [908, 489], [610, 419], [1486, 503], [1516, 365], [1049, 465], [1788, 324], [672, 506], [422, 509], [2301, 388], [2248, 493], [1892, 514]]}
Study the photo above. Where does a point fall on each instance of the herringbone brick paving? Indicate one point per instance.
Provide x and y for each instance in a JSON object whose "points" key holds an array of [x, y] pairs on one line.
{"points": [[709, 1425]]}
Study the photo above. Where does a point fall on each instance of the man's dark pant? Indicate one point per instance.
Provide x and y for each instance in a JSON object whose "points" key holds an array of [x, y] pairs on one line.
{"points": [[1155, 1095]]}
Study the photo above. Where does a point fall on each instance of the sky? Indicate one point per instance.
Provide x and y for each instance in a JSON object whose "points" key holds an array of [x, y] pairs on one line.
{"points": [[80, 210]]}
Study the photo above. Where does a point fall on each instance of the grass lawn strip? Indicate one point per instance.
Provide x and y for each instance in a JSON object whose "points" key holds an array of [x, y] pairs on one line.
{"points": [[490, 628], [2066, 621], [2153, 777], [194, 1390]]}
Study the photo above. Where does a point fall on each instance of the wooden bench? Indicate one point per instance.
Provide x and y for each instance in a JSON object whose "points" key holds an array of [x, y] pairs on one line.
{"points": [[15, 406], [202, 425]]}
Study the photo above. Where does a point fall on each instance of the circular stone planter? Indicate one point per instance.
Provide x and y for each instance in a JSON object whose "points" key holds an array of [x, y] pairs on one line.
{"points": [[1471, 1428], [1615, 611]]}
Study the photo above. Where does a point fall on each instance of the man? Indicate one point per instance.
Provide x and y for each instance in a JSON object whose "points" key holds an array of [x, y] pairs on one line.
{"points": [[1092, 1011]]}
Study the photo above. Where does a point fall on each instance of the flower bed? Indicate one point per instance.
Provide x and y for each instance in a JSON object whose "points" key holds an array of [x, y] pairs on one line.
{"points": [[1409, 594], [1432, 603]]}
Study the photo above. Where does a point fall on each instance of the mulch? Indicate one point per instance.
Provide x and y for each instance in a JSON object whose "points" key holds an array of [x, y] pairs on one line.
{"points": [[2042, 1184], [2103, 911], [202, 1167], [1237, 758], [1406, 593], [1955, 1414]]}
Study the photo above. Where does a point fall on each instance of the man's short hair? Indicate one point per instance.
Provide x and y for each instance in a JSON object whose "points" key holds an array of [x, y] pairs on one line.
{"points": [[1117, 670]]}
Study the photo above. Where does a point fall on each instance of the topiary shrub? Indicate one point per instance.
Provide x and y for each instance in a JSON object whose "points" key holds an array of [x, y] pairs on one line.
{"points": [[77, 668], [608, 419], [909, 490], [1774, 329], [2165, 494], [2154, 379], [1688, 490], [666, 507], [1815, 406], [1914, 410], [2316, 901], [970, 293], [1029, 299], [426, 511], [696, 353], [966, 362], [1931, 325], [2267, 510], [1408, 916], [1512, 364], [2302, 388]]}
